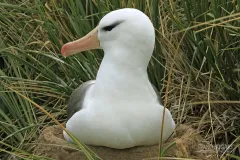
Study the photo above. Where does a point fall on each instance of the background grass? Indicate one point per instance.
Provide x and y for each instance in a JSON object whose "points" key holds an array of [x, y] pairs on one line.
{"points": [[199, 40]]}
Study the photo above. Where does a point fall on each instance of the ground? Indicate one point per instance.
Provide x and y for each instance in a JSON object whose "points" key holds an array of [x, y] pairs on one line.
{"points": [[189, 144]]}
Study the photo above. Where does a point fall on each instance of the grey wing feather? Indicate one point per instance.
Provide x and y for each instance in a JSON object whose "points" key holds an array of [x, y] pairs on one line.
{"points": [[158, 95], [75, 103]]}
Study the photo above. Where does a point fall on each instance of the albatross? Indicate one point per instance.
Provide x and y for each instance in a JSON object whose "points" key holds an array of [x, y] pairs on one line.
{"points": [[121, 108]]}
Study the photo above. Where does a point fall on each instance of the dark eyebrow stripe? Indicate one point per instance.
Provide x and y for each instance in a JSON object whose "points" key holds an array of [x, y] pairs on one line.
{"points": [[110, 27]]}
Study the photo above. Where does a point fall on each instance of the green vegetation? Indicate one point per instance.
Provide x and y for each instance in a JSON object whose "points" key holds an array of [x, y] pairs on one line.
{"points": [[197, 59]]}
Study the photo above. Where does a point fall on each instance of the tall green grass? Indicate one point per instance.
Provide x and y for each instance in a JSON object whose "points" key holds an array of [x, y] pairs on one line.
{"points": [[198, 41]]}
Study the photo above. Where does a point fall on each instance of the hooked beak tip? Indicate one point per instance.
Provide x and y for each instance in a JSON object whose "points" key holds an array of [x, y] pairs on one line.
{"points": [[63, 50], [90, 41]]}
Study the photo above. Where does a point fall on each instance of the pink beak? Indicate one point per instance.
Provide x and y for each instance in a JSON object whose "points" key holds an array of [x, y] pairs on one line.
{"points": [[88, 42]]}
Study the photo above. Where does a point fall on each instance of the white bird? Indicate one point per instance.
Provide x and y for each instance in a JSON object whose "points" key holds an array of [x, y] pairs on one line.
{"points": [[120, 109]]}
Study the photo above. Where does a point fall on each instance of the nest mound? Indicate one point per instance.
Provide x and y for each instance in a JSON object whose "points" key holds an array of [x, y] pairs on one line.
{"points": [[189, 144]]}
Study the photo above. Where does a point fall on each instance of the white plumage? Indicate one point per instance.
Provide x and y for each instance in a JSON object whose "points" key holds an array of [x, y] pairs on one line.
{"points": [[121, 109]]}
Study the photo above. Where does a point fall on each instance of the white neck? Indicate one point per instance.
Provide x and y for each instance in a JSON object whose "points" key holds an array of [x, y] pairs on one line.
{"points": [[123, 79]]}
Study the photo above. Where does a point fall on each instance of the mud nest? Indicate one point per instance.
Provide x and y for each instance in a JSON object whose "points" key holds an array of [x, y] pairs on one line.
{"points": [[189, 144]]}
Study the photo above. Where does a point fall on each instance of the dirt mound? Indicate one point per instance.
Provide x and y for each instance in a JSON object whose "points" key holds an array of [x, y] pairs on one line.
{"points": [[189, 144]]}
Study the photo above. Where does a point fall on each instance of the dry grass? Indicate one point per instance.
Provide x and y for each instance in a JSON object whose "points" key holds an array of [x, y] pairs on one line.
{"points": [[196, 58]]}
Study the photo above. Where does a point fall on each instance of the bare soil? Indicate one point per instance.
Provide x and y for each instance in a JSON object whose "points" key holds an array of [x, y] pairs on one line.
{"points": [[189, 145]]}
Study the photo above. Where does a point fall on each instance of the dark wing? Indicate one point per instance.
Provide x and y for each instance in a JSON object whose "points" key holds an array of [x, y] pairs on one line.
{"points": [[158, 95], [75, 103]]}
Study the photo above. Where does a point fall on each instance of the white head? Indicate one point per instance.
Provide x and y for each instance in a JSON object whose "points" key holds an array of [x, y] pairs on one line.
{"points": [[125, 34]]}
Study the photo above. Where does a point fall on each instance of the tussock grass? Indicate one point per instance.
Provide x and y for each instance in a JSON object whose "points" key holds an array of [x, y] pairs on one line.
{"points": [[197, 57]]}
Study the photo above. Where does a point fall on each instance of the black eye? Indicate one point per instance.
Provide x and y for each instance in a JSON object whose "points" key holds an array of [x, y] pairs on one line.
{"points": [[110, 27]]}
